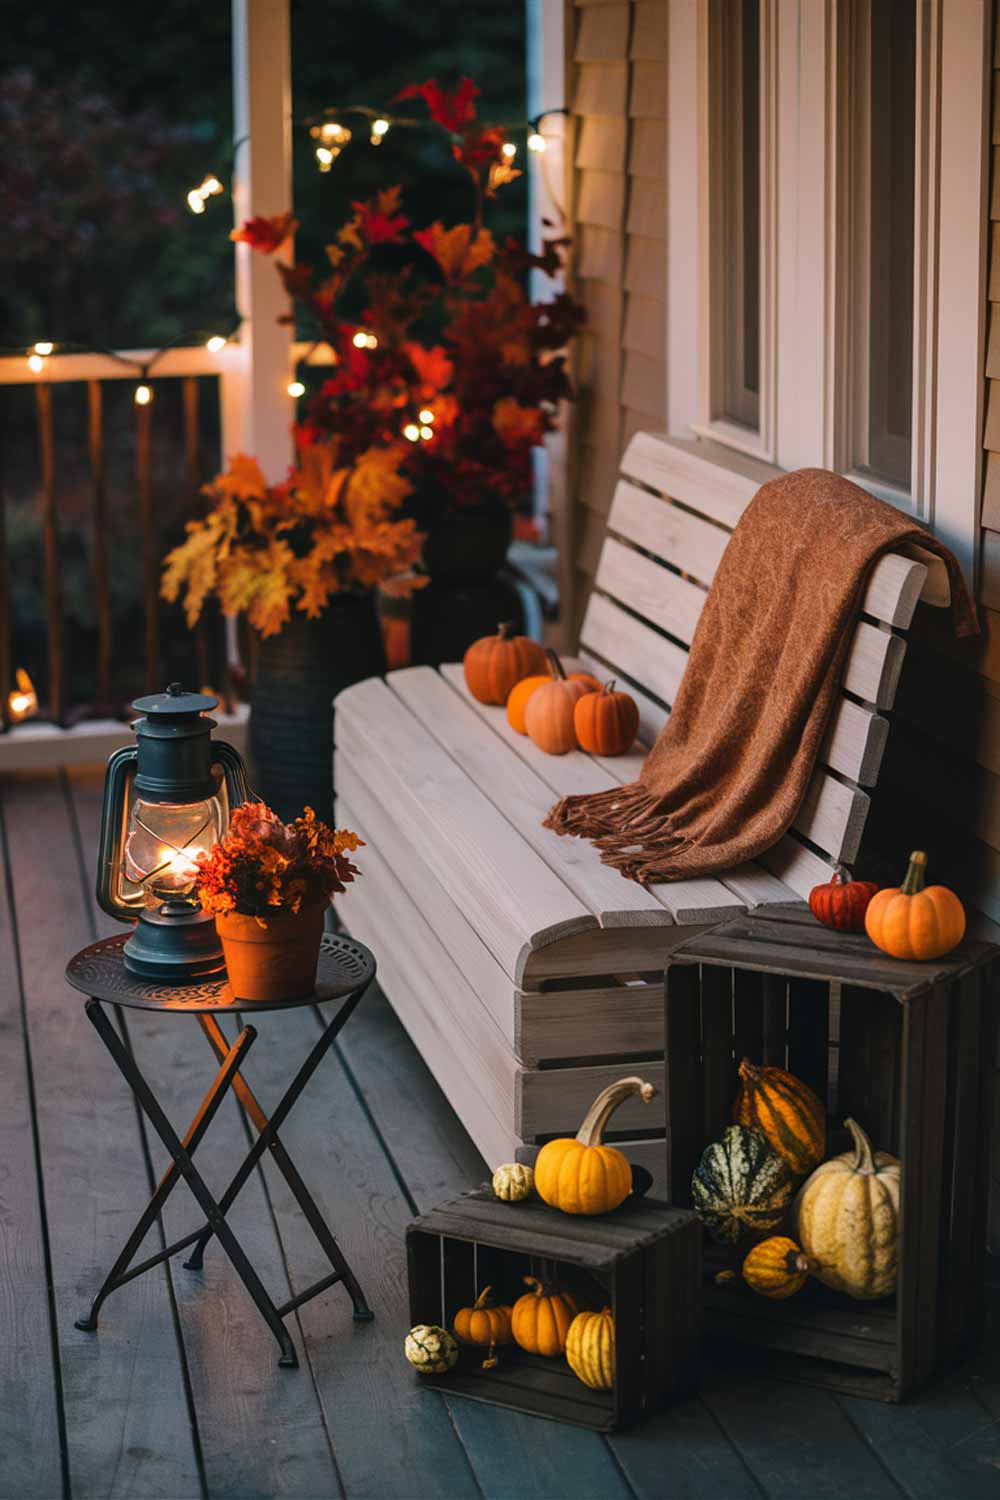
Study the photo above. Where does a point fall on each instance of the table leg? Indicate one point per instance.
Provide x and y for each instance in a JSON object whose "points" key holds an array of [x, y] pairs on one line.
{"points": [[267, 1139], [214, 1212], [217, 1041], [230, 1059]]}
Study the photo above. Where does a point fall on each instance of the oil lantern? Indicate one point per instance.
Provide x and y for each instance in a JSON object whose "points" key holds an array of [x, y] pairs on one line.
{"points": [[166, 800]]}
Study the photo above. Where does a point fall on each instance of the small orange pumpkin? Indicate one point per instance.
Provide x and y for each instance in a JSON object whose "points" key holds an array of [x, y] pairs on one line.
{"points": [[841, 903], [914, 920], [517, 700], [541, 1318], [484, 1322], [496, 663], [548, 714], [606, 722]]}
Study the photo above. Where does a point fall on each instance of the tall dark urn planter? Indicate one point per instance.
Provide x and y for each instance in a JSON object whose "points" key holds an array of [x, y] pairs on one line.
{"points": [[299, 673], [468, 594]]}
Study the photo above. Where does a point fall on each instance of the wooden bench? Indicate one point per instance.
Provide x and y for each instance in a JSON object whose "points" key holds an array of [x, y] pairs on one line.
{"points": [[527, 973]]}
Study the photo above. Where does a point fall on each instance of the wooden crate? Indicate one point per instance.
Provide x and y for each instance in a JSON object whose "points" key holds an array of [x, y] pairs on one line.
{"points": [[643, 1261], [906, 1049]]}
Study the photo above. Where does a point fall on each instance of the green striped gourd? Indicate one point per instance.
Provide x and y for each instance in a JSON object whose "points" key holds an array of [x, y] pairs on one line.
{"points": [[741, 1187]]}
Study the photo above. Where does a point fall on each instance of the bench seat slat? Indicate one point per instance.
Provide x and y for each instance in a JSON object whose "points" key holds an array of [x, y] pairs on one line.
{"points": [[688, 542], [491, 983], [686, 900], [520, 902], [523, 799]]}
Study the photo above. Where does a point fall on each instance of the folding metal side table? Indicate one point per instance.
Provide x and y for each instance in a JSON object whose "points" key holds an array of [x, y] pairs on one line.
{"points": [[346, 968]]}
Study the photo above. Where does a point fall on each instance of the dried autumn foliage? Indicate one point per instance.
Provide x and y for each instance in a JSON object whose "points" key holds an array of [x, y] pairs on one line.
{"points": [[263, 864], [263, 549]]}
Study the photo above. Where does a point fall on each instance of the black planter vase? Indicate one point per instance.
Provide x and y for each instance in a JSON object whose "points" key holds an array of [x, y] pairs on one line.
{"points": [[468, 594], [299, 673]]}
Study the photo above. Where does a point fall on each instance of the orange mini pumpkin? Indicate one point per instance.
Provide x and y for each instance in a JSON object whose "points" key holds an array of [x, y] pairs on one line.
{"points": [[484, 1322], [517, 700], [841, 903], [606, 722], [548, 714], [496, 663], [541, 1318], [914, 920]]}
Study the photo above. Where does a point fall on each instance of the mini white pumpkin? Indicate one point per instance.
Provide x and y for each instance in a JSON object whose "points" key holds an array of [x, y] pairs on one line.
{"points": [[513, 1181], [431, 1350]]}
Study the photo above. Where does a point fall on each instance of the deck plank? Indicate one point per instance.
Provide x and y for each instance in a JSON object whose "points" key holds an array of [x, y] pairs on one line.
{"points": [[390, 1437], [239, 1391], [29, 1378], [127, 1419]]}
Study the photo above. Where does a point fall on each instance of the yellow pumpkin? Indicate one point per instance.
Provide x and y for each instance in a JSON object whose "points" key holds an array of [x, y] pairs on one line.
{"points": [[513, 1181], [579, 1174], [914, 920], [847, 1220], [590, 1349], [541, 1318], [777, 1267], [484, 1322], [517, 700]]}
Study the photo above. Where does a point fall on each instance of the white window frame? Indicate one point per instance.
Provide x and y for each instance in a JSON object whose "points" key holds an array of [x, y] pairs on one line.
{"points": [[805, 265]]}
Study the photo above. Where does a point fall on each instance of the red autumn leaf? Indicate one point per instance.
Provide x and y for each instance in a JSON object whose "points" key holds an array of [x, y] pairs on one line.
{"points": [[377, 219], [266, 235], [455, 110]]}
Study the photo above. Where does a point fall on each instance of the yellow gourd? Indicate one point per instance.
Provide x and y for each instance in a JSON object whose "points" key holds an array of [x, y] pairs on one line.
{"points": [[541, 1318], [914, 920], [777, 1267], [590, 1349], [579, 1174]]}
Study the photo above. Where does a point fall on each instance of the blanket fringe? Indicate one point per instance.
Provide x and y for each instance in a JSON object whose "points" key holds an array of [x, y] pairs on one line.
{"points": [[626, 825]]}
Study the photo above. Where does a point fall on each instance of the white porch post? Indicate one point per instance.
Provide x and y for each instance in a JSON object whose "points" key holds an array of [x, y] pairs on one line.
{"points": [[256, 407]]}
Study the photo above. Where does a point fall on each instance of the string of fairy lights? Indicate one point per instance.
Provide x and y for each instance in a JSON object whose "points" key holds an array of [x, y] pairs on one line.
{"points": [[330, 135]]}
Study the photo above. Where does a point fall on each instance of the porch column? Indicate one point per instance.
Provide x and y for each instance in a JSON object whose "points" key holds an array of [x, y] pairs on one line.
{"points": [[256, 408]]}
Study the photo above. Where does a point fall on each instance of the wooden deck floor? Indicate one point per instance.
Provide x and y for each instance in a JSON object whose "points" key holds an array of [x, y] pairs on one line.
{"points": [[179, 1394]]}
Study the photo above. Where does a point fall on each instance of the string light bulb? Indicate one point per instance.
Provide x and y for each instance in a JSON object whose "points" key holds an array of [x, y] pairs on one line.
{"points": [[36, 364], [143, 395], [195, 202], [207, 188], [411, 432], [426, 433], [326, 156], [44, 347], [364, 340], [215, 343], [380, 129], [296, 389], [537, 142], [426, 416], [509, 150], [210, 186]]}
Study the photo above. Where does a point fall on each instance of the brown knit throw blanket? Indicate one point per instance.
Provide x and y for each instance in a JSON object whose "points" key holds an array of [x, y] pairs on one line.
{"points": [[729, 770]]}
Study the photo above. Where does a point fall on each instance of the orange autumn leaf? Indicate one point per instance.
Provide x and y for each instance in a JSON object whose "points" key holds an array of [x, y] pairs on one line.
{"points": [[515, 424], [458, 251], [433, 368]]}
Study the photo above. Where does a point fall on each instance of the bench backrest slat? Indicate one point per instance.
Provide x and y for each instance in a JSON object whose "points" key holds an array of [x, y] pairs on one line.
{"points": [[669, 523]]}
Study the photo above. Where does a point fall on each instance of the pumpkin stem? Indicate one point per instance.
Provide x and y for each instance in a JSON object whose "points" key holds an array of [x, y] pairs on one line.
{"points": [[483, 1299], [555, 665], [747, 1069], [797, 1260], [864, 1160], [505, 629], [841, 876], [535, 1284], [592, 1129], [915, 875], [609, 687]]}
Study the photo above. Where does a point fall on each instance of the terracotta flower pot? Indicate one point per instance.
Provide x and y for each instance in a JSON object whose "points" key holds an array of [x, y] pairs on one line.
{"points": [[276, 961]]}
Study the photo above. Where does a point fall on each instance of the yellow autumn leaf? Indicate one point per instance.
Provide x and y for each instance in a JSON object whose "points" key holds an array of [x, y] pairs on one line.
{"points": [[375, 485], [458, 251]]}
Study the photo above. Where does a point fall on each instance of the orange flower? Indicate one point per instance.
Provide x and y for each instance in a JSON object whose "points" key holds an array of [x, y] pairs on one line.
{"points": [[262, 863]]}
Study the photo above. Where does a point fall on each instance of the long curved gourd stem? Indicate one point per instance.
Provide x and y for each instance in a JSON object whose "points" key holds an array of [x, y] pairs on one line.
{"points": [[864, 1160], [592, 1130], [555, 665]]}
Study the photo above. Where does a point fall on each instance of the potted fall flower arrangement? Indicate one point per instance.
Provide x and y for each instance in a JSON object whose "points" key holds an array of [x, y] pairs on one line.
{"points": [[302, 560], [268, 884], [440, 357]]}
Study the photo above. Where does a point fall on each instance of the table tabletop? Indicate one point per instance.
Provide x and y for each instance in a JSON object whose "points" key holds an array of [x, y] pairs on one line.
{"points": [[100, 973]]}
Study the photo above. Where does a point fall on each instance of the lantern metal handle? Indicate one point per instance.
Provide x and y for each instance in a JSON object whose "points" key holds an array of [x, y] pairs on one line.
{"points": [[115, 792], [234, 771]]}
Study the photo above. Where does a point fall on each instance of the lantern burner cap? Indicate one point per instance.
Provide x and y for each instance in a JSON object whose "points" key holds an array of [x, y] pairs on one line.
{"points": [[176, 700]]}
